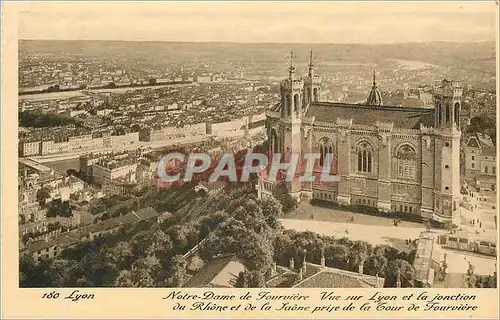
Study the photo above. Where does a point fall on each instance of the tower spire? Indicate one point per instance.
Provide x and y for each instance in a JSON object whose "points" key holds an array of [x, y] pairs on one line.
{"points": [[311, 65], [374, 98], [291, 69]]}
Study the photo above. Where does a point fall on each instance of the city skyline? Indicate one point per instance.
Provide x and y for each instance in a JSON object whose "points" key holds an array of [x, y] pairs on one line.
{"points": [[271, 22]]}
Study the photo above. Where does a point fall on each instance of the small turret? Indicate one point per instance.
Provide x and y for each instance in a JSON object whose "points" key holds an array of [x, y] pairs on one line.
{"points": [[374, 98], [311, 65], [291, 69]]}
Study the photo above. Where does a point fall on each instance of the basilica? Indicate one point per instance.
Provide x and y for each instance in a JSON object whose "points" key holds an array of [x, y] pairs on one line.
{"points": [[390, 158]]}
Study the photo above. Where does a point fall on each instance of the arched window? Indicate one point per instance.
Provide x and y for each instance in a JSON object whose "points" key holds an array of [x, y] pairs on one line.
{"points": [[325, 147], [360, 161], [407, 163], [322, 155], [447, 113], [456, 114], [309, 96], [438, 114], [288, 105], [315, 91], [485, 169], [296, 103], [365, 153]]}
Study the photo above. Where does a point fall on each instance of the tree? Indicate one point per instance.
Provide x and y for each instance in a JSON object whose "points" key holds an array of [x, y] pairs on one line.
{"points": [[59, 271], [42, 274], [72, 172], [27, 268], [272, 221], [42, 194], [161, 245], [284, 197], [271, 207], [486, 281], [184, 236], [471, 276], [178, 273], [135, 128], [256, 253], [124, 279], [284, 248], [209, 223], [337, 256], [145, 271], [37, 119], [255, 279], [483, 124], [140, 242], [87, 268], [228, 239], [241, 280], [405, 270], [123, 255], [59, 208], [377, 262], [106, 267], [358, 254]]}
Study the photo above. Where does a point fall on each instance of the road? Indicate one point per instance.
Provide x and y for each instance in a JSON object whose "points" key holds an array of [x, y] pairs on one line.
{"points": [[376, 235]]}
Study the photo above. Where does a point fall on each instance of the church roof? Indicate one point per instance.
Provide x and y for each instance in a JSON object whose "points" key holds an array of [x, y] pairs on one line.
{"points": [[325, 279], [220, 272], [406, 118], [483, 141]]}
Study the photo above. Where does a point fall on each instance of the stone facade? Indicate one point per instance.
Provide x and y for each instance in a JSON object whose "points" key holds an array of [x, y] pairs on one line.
{"points": [[480, 162], [389, 158]]}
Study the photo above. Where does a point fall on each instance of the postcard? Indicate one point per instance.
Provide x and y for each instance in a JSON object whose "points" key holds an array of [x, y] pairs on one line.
{"points": [[249, 159]]}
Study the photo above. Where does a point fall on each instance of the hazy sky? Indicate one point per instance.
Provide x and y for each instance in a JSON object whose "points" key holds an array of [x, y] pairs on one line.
{"points": [[318, 22]]}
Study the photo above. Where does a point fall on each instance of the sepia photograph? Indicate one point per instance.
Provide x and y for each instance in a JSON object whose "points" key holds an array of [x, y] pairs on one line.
{"points": [[256, 145]]}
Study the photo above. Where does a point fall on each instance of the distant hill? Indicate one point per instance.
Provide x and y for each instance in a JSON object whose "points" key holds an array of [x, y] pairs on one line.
{"points": [[473, 62], [439, 53]]}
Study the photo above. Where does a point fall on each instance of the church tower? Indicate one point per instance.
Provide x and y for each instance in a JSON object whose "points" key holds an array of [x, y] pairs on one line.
{"points": [[291, 120], [312, 84], [448, 100]]}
